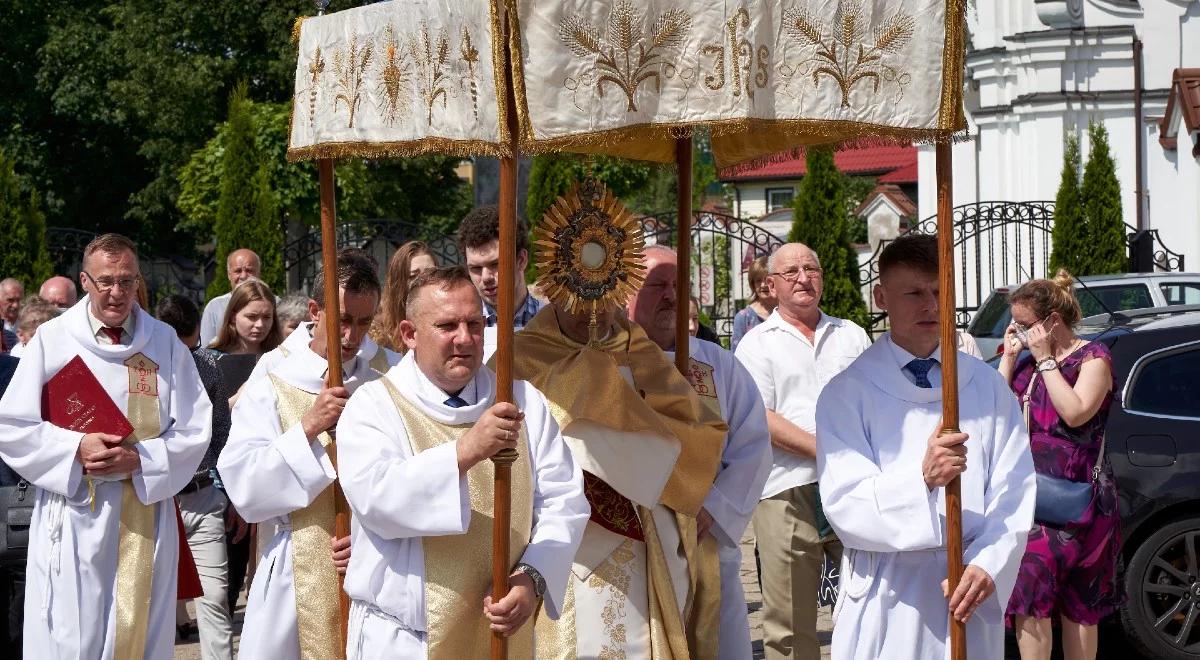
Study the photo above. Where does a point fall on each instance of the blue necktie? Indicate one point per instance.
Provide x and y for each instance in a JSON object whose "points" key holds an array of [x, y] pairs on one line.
{"points": [[920, 370], [457, 401]]}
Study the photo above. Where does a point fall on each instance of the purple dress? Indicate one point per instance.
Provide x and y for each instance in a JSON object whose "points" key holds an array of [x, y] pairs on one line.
{"points": [[1070, 571]]}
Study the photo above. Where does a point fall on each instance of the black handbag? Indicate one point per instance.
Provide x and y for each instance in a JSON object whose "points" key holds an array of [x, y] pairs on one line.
{"points": [[16, 513], [1061, 501]]}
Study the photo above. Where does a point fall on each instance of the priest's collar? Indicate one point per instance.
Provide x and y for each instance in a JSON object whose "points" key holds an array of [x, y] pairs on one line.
{"points": [[408, 378], [96, 324], [903, 357]]}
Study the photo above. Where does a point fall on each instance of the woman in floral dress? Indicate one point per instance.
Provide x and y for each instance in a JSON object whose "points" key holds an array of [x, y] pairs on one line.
{"points": [[1068, 572]]}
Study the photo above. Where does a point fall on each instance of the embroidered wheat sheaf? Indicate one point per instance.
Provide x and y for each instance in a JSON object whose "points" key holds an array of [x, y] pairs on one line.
{"points": [[847, 52], [626, 57], [431, 55], [395, 76], [350, 66]]}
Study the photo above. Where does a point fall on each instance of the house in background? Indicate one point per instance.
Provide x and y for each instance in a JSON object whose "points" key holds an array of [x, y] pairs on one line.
{"points": [[1039, 70], [764, 193]]}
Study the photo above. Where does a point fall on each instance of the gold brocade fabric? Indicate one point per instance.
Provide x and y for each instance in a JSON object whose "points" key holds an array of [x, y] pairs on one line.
{"points": [[584, 383], [135, 546], [458, 568], [667, 637], [318, 608]]}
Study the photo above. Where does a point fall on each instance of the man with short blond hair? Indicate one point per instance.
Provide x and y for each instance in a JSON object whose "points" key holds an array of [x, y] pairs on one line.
{"points": [[241, 265], [413, 451], [104, 546], [816, 347]]}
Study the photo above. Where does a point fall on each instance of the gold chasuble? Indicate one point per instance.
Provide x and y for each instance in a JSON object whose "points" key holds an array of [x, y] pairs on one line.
{"points": [[583, 383], [458, 569], [135, 547], [318, 613]]}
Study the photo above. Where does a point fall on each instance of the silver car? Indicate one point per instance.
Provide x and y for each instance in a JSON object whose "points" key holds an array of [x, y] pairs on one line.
{"points": [[1097, 294]]}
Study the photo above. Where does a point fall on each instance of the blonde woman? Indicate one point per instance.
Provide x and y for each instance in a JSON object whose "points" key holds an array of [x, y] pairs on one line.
{"points": [[412, 259]]}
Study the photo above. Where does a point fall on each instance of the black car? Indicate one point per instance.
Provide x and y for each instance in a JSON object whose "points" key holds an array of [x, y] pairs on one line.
{"points": [[1153, 442]]}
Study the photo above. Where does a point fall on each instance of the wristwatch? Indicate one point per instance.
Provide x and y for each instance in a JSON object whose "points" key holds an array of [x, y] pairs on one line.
{"points": [[1049, 364], [539, 582]]}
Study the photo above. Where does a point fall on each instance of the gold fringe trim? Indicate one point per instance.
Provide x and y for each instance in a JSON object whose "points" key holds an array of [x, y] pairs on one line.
{"points": [[500, 69], [406, 149], [517, 51], [296, 29], [951, 115]]}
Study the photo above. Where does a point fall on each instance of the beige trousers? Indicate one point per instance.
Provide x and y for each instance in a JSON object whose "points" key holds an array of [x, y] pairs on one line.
{"points": [[791, 553]]}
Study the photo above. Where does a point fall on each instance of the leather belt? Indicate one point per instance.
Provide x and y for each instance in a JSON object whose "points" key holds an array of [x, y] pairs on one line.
{"points": [[197, 484]]}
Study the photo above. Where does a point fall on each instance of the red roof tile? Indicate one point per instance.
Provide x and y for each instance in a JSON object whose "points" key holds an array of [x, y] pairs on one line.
{"points": [[894, 195], [865, 160], [1184, 100], [906, 174]]}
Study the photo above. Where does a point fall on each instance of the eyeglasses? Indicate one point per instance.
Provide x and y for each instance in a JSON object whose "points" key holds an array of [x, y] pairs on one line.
{"points": [[106, 284], [792, 275]]}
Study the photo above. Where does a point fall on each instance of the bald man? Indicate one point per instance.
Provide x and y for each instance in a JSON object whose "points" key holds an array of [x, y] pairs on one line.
{"points": [[59, 291], [241, 265], [791, 545]]}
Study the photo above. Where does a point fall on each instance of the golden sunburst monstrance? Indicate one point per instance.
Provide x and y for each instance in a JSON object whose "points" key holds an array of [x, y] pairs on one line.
{"points": [[589, 250]]}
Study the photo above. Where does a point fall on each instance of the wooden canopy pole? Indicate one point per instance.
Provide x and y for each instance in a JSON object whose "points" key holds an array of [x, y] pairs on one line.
{"points": [[503, 460], [683, 222], [333, 355], [947, 312]]}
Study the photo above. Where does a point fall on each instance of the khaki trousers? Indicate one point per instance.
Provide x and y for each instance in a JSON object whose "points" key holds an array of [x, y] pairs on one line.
{"points": [[792, 554]]}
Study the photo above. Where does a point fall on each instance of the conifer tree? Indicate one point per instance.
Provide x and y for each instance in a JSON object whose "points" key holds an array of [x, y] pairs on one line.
{"points": [[23, 251], [1069, 234], [1106, 247], [822, 222], [247, 216]]}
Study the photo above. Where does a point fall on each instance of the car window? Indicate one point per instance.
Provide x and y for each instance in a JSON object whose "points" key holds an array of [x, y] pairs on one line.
{"points": [[1115, 297], [1166, 384], [1181, 293], [992, 318]]}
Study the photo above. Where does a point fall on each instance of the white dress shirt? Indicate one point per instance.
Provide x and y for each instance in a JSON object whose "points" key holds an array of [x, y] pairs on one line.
{"points": [[903, 357], [790, 372]]}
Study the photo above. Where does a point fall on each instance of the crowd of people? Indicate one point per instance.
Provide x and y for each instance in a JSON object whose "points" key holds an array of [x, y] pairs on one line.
{"points": [[633, 483]]}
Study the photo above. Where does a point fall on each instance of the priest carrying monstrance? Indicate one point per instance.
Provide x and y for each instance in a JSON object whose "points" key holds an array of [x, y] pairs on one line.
{"points": [[648, 449], [107, 416]]}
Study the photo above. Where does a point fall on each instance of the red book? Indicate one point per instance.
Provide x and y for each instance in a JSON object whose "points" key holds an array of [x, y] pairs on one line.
{"points": [[75, 400]]}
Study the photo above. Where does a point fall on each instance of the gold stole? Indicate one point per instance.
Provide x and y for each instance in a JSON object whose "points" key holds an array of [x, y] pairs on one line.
{"points": [[318, 609], [704, 612], [458, 568], [135, 545]]}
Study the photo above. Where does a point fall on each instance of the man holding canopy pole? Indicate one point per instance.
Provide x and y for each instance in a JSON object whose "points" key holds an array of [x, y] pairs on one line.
{"points": [[277, 466], [883, 460]]}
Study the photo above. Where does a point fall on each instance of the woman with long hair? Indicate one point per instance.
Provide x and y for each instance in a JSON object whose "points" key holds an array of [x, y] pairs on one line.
{"points": [[249, 326], [412, 259], [1065, 383]]}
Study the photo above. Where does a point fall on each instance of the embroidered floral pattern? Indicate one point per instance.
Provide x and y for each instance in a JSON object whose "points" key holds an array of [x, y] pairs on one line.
{"points": [[614, 575], [626, 57]]}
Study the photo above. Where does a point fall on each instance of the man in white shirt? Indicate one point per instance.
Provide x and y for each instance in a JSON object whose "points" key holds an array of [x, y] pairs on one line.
{"points": [[11, 293], [883, 460], [414, 458], [792, 355], [240, 265], [724, 385]]}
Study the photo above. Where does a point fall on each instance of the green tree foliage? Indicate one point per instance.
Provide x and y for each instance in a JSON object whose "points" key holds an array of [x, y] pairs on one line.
{"points": [[23, 253], [425, 190], [822, 222], [1106, 243], [246, 214], [113, 97], [1069, 235], [553, 175]]}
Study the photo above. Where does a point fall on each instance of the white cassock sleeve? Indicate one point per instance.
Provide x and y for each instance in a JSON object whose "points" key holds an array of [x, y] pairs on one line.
{"points": [[169, 461], [1009, 495], [42, 453], [746, 459], [392, 492], [560, 510], [269, 472], [869, 507]]}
